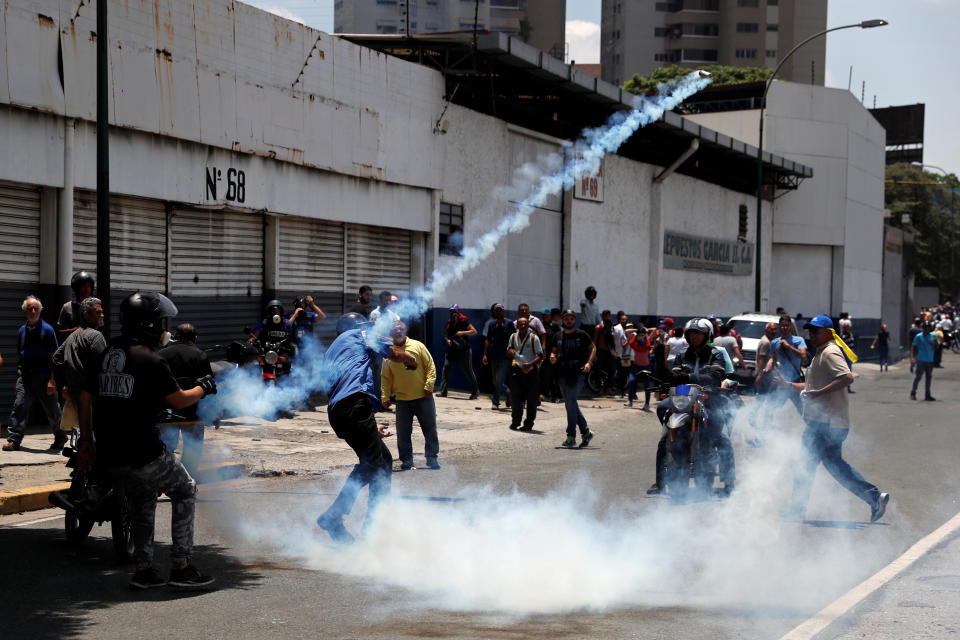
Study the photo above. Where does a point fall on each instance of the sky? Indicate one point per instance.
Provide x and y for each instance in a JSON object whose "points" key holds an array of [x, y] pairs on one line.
{"points": [[907, 62]]}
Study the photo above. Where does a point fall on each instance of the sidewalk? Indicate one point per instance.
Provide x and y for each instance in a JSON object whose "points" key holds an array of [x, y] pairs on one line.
{"points": [[306, 444]]}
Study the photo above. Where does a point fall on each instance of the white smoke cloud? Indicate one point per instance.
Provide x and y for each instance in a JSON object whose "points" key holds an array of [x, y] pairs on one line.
{"points": [[512, 553]]}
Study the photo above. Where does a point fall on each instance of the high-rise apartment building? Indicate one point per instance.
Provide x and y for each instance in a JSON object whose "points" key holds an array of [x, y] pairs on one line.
{"points": [[541, 23], [637, 36]]}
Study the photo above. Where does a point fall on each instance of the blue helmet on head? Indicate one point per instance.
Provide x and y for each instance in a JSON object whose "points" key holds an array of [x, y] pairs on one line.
{"points": [[352, 320]]}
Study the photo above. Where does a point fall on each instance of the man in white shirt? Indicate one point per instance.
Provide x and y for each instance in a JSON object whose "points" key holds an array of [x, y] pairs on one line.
{"points": [[526, 351], [621, 352], [589, 311]]}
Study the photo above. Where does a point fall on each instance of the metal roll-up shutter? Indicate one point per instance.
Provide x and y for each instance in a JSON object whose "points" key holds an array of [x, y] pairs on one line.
{"points": [[311, 263], [138, 244], [19, 275], [20, 241], [216, 266], [379, 257], [138, 241]]}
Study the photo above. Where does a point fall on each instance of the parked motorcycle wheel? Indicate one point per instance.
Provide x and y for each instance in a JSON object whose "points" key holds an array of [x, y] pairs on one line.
{"points": [[597, 380], [76, 526], [121, 527]]}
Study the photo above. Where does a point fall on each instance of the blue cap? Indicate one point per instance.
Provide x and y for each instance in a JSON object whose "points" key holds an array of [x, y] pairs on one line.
{"points": [[821, 321]]}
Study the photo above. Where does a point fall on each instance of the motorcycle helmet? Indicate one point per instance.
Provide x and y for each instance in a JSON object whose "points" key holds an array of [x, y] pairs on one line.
{"points": [[143, 318], [351, 320], [701, 325], [273, 312], [81, 277], [589, 290]]}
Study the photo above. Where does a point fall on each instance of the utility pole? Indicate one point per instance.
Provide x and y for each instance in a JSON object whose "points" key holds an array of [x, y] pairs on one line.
{"points": [[103, 166]]}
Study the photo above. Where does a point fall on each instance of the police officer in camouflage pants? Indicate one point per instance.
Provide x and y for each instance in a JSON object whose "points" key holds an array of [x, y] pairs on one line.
{"points": [[131, 386]]}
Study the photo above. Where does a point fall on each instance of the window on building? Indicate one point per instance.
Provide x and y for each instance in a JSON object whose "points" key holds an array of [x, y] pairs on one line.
{"points": [[748, 27], [746, 53], [668, 7], [698, 55], [386, 1], [771, 53], [773, 27], [691, 29], [451, 229], [743, 223], [700, 5], [669, 56], [386, 28], [506, 4], [748, 3]]}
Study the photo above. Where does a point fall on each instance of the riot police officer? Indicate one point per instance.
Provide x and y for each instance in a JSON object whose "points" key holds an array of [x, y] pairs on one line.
{"points": [[131, 386]]}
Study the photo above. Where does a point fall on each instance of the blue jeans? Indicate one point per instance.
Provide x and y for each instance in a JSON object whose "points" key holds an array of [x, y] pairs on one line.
{"points": [[426, 412], [499, 370], [884, 354], [821, 443], [635, 370], [923, 369], [574, 416], [31, 388]]}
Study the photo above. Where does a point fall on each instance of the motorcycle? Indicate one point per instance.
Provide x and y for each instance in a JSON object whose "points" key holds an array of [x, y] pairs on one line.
{"points": [[692, 451], [274, 356], [96, 496]]}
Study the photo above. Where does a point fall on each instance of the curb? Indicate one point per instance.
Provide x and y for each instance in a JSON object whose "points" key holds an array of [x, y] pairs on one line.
{"points": [[34, 498], [29, 499]]}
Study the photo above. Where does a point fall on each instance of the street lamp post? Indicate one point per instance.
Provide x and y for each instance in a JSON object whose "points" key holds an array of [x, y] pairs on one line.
{"points": [[953, 220], [866, 24]]}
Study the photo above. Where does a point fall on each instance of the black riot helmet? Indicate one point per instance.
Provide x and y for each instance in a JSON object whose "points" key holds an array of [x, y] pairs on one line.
{"points": [[79, 278], [352, 320], [143, 318], [273, 308]]}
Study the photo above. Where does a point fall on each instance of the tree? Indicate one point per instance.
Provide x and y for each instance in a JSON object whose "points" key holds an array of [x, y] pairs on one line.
{"points": [[929, 202], [722, 75]]}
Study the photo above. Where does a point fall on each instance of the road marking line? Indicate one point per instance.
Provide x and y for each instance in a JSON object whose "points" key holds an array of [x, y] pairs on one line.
{"points": [[826, 616], [37, 521]]}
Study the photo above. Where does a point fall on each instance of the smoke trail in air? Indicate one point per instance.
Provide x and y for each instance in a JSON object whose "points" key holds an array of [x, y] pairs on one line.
{"points": [[539, 184]]}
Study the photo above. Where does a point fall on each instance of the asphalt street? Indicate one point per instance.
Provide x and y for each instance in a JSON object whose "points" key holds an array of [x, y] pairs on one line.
{"points": [[538, 542]]}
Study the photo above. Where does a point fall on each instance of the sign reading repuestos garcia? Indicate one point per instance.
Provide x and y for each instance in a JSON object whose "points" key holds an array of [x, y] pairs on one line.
{"points": [[682, 251]]}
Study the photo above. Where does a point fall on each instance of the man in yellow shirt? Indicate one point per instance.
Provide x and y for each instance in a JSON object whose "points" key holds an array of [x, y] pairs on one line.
{"points": [[413, 388]]}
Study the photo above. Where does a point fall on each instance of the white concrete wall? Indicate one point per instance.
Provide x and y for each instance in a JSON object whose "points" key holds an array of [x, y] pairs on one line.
{"points": [[226, 75], [699, 208], [842, 205], [475, 164], [801, 278]]}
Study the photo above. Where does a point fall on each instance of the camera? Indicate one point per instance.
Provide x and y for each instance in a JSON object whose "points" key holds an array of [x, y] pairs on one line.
{"points": [[299, 302]]}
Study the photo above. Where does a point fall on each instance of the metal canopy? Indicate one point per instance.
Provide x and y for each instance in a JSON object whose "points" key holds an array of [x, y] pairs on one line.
{"points": [[502, 76]]}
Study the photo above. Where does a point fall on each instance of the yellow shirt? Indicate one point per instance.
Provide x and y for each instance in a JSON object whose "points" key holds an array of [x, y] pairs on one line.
{"points": [[409, 384]]}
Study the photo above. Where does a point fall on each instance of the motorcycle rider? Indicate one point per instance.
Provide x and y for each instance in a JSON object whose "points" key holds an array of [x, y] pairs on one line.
{"points": [[131, 386], [274, 326], [70, 318], [351, 408], [699, 366], [187, 363]]}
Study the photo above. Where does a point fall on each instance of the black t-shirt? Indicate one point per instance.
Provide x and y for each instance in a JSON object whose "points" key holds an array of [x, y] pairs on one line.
{"points": [[130, 386], [187, 363], [573, 350], [69, 317], [883, 338]]}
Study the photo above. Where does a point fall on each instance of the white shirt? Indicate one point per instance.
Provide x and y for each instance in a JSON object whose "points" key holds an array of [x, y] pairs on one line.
{"points": [[945, 325], [591, 312], [677, 346], [619, 337], [527, 348]]}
